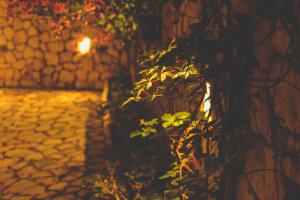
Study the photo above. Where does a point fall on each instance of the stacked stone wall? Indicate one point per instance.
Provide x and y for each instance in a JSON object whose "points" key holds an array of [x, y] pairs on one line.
{"points": [[32, 57], [176, 21], [272, 165]]}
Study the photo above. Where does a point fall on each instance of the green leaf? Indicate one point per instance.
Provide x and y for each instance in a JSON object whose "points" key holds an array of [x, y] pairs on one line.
{"points": [[135, 134], [130, 99], [177, 123], [151, 122], [165, 176], [163, 77], [149, 85], [174, 182], [166, 124], [150, 71], [167, 117], [153, 76], [182, 115], [172, 45]]}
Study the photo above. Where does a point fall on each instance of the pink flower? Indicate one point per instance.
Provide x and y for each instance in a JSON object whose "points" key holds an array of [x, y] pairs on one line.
{"points": [[60, 8], [45, 2], [89, 7]]}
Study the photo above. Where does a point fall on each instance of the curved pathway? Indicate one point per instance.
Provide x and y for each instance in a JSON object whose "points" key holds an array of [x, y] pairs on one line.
{"points": [[49, 141]]}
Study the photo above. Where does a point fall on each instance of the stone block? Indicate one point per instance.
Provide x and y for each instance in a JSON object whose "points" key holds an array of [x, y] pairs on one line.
{"points": [[86, 63], [60, 84], [66, 76], [65, 34], [38, 54], [281, 40], [20, 47], [51, 58], [2, 73], [20, 37], [2, 40], [17, 75], [18, 54], [25, 16], [10, 45], [124, 58], [33, 42], [10, 83], [93, 77], [36, 76], [97, 58], [32, 31], [9, 57], [2, 59], [17, 24], [45, 37], [106, 58], [43, 47], [70, 66], [48, 70], [71, 46], [114, 52], [2, 11], [8, 33], [21, 186], [3, 4], [55, 75], [28, 83], [81, 75], [46, 81], [9, 73], [80, 84], [20, 64], [99, 85], [66, 57], [56, 47], [76, 58], [58, 186], [36, 190], [29, 52], [3, 21], [26, 24]]}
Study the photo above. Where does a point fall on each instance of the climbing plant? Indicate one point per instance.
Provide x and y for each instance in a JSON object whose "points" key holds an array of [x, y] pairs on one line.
{"points": [[193, 133], [212, 65], [101, 19]]}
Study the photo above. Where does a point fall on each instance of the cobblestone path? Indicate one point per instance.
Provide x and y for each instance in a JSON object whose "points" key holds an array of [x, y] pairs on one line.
{"points": [[48, 139]]}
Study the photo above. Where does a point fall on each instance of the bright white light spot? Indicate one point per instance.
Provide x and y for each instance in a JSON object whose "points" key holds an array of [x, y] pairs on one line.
{"points": [[84, 45], [207, 103]]}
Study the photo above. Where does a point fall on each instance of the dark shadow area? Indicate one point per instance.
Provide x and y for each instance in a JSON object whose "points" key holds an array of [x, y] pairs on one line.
{"points": [[96, 142], [143, 160]]}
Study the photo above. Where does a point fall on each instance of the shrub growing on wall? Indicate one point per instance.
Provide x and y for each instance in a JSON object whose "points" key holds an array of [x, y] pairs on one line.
{"points": [[98, 18]]}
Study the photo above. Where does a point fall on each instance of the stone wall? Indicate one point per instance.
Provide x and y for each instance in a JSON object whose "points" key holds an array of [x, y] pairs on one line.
{"points": [[32, 57], [176, 22], [272, 163]]}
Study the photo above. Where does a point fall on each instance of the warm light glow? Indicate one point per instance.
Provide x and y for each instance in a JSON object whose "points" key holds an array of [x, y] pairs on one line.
{"points": [[207, 103], [84, 45]]}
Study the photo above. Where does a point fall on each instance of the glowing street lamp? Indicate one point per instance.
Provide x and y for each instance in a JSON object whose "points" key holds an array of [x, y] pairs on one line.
{"points": [[84, 45]]}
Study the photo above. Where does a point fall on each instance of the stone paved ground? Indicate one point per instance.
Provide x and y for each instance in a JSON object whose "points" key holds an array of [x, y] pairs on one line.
{"points": [[48, 139]]}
